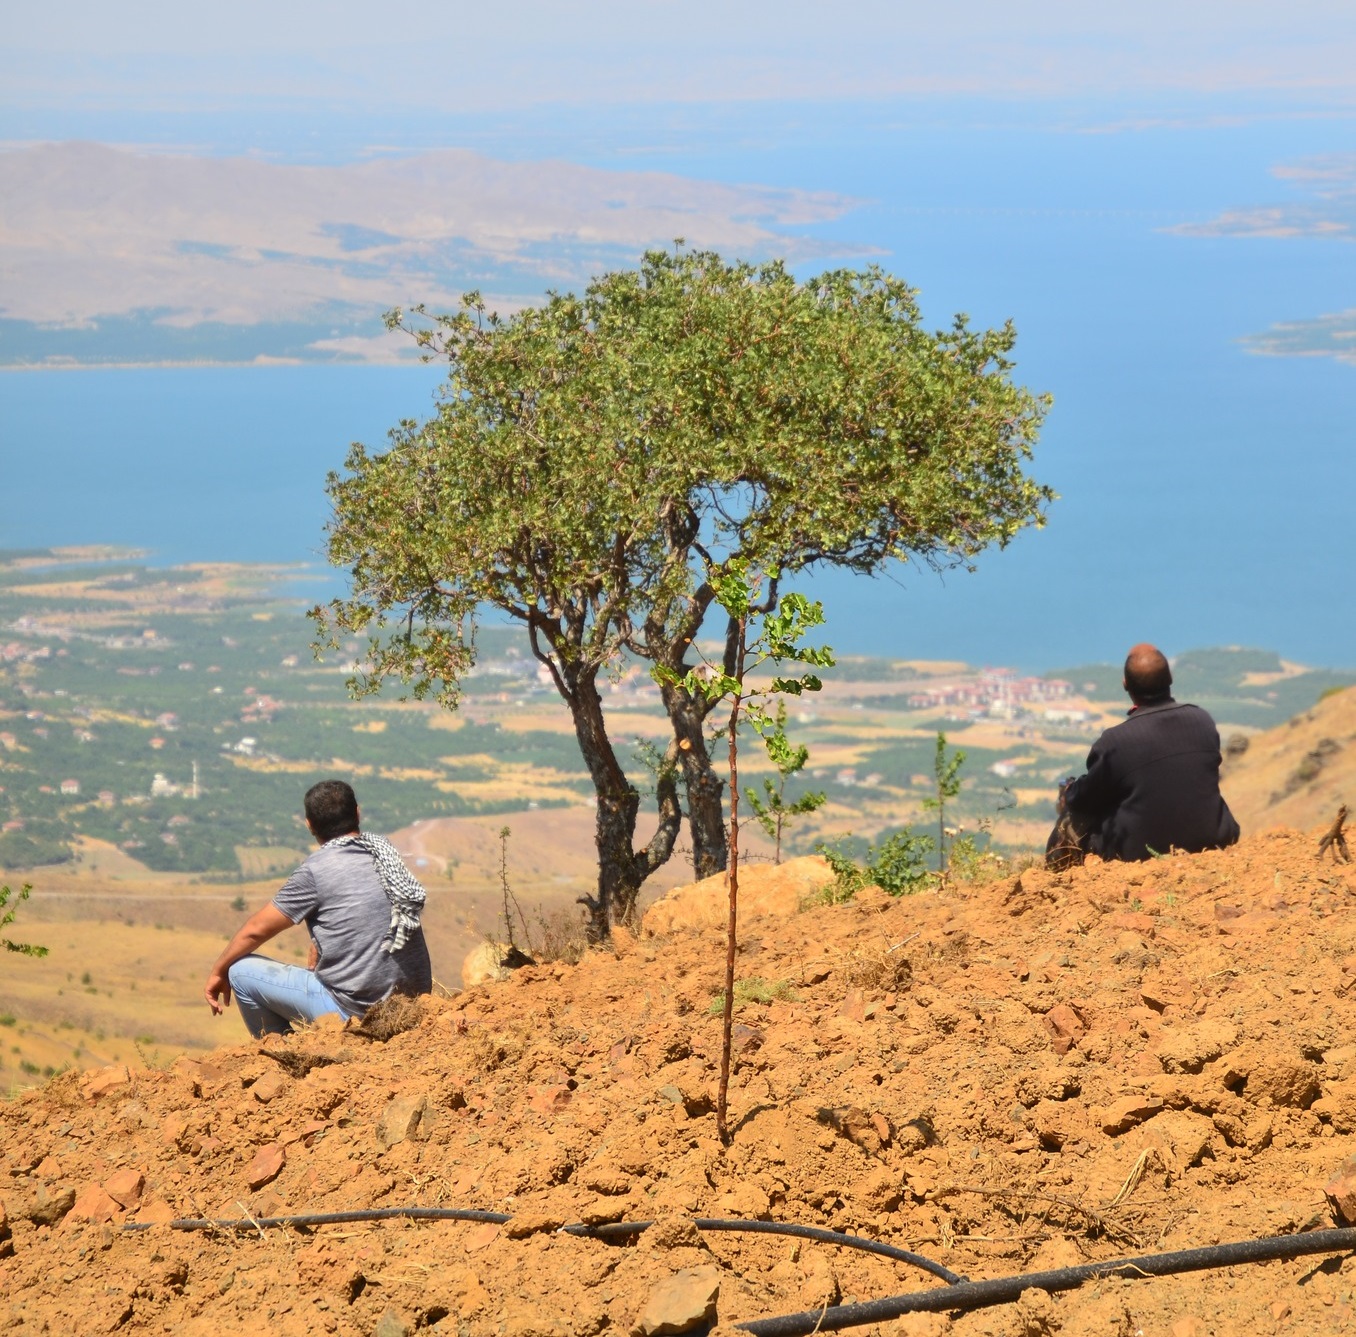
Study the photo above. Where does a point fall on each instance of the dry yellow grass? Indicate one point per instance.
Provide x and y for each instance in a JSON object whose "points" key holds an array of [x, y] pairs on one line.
{"points": [[261, 860]]}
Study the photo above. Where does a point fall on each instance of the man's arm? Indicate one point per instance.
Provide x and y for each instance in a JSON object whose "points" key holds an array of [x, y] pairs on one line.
{"points": [[1096, 794], [253, 933]]}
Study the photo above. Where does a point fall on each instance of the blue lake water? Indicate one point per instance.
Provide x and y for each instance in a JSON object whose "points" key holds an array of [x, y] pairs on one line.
{"points": [[1205, 492]]}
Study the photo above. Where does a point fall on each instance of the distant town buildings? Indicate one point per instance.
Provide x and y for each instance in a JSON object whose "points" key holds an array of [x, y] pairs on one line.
{"points": [[70, 786], [998, 692], [163, 787]]}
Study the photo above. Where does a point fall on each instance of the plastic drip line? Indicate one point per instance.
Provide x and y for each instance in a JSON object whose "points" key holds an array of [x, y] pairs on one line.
{"points": [[621, 1229], [612, 1230], [959, 1296], [325, 1219], [971, 1295]]}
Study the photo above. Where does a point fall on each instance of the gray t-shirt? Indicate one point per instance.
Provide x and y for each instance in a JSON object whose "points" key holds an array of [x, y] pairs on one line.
{"points": [[337, 894]]}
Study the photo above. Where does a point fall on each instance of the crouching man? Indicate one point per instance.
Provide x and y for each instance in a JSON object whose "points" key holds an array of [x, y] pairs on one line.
{"points": [[1152, 783], [361, 907]]}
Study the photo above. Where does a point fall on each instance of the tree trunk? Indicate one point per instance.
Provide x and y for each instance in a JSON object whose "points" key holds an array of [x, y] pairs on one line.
{"points": [[622, 869], [705, 789]]}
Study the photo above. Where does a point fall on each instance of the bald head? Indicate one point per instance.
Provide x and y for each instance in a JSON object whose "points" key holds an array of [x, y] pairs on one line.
{"points": [[1147, 675]]}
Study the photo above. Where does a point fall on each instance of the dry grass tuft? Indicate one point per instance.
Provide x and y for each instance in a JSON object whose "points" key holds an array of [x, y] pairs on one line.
{"points": [[562, 936], [881, 965], [392, 1016]]}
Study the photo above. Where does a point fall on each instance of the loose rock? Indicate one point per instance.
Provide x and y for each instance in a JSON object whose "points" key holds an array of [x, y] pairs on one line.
{"points": [[680, 1302]]}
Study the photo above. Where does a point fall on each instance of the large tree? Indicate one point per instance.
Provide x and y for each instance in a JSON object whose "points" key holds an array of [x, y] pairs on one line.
{"points": [[594, 460]]}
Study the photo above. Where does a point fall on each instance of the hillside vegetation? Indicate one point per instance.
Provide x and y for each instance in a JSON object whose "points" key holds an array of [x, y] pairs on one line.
{"points": [[1300, 772]]}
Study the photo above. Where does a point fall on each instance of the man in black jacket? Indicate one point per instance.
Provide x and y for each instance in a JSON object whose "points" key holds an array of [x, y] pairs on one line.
{"points": [[1153, 781]]}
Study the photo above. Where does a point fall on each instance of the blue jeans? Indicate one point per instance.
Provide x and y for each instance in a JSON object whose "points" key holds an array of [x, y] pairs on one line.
{"points": [[273, 995]]}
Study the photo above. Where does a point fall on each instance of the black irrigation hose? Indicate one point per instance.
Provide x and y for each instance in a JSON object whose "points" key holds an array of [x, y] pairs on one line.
{"points": [[1003, 1290], [622, 1229], [326, 1219], [613, 1230]]}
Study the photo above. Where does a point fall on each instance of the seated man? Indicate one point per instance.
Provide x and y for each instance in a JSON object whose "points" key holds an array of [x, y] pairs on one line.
{"points": [[1152, 783], [362, 909]]}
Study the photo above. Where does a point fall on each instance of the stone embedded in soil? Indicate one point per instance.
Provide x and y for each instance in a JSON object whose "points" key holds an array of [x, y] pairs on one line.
{"points": [[1340, 1191], [680, 1302], [532, 1223], [1065, 1026], [269, 1087], [157, 1213], [1192, 1047], [605, 1180], [1269, 1073], [1124, 1114], [402, 1120], [673, 1232], [48, 1206], [480, 1237], [124, 1187], [550, 1099], [104, 1081], [93, 1204], [485, 965], [392, 1323], [266, 1166]]}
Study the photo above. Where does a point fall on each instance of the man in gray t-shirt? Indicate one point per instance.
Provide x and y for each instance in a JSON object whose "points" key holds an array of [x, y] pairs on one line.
{"points": [[361, 908]]}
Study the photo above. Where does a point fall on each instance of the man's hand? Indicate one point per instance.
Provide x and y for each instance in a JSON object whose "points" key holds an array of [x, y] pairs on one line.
{"points": [[313, 956], [256, 930], [1062, 800], [218, 991]]}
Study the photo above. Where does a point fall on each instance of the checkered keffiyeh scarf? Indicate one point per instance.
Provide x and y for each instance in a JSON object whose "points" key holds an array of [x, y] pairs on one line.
{"points": [[402, 888]]}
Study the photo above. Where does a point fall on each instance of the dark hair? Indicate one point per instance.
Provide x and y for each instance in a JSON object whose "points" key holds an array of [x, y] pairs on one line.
{"points": [[331, 809], [1148, 676]]}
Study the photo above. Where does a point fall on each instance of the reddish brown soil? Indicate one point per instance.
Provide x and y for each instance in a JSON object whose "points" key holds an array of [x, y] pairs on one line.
{"points": [[913, 1089]]}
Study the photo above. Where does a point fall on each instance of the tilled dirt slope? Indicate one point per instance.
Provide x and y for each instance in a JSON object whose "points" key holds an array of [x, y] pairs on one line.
{"points": [[1035, 1072]]}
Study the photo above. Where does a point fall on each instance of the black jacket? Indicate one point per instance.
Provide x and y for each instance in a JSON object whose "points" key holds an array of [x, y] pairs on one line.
{"points": [[1153, 785]]}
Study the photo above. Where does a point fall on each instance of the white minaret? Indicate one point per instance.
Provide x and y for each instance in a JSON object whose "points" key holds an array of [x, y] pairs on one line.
{"points": [[195, 780]]}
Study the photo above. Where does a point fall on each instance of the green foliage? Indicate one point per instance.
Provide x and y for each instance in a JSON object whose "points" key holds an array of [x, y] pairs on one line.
{"points": [[781, 626], [7, 913], [849, 877], [754, 990], [772, 810], [606, 470], [947, 786], [588, 448], [898, 865], [970, 858]]}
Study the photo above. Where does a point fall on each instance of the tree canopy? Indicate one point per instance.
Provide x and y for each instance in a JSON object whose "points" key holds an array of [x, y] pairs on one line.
{"points": [[593, 460]]}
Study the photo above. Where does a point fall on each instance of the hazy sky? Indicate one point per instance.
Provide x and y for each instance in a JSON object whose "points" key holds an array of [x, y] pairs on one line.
{"points": [[165, 54]]}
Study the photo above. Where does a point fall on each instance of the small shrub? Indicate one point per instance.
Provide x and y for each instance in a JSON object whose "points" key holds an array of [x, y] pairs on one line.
{"points": [[238, 903], [754, 990], [8, 1019], [562, 936], [897, 866], [848, 877]]}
